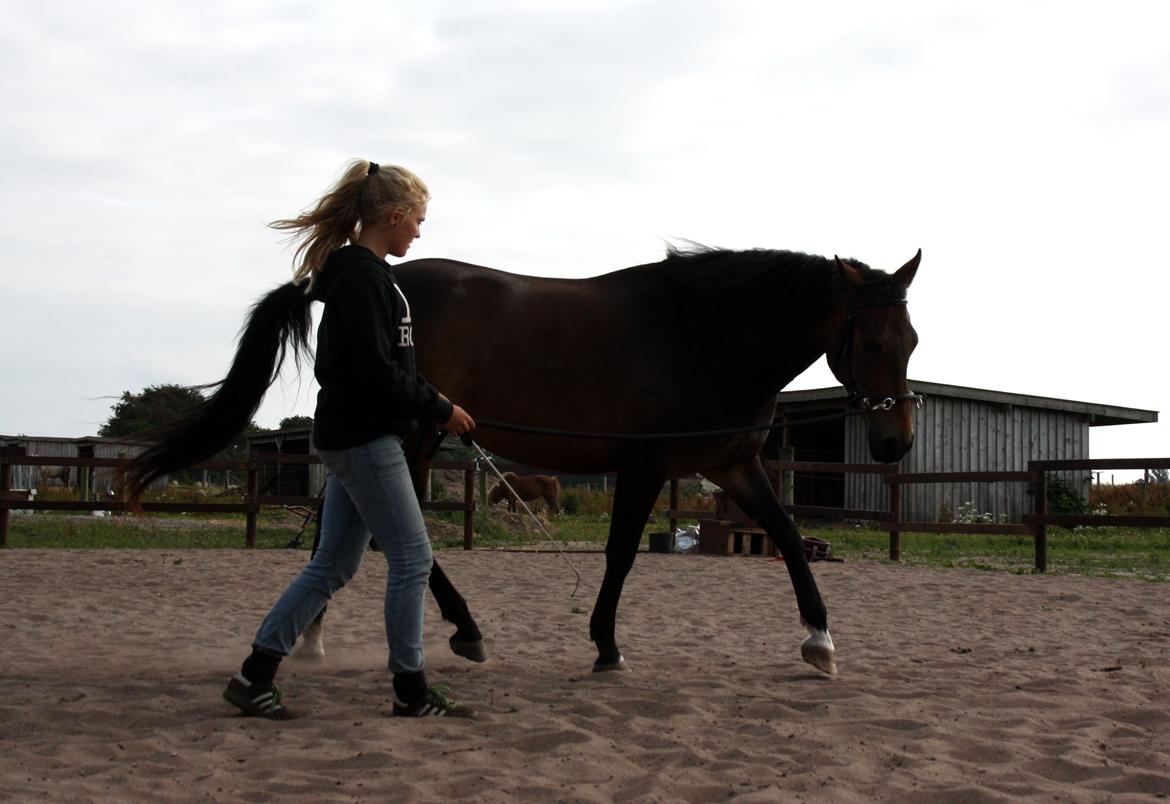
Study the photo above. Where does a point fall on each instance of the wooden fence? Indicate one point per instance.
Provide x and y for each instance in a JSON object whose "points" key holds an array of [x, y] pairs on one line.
{"points": [[253, 500], [1035, 524]]}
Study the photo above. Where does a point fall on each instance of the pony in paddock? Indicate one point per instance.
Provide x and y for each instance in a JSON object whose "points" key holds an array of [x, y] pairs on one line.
{"points": [[529, 488], [60, 473], [600, 363]]}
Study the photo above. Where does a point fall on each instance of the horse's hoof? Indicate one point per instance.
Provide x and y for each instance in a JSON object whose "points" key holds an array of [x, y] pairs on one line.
{"points": [[469, 649], [310, 651], [817, 650], [600, 666], [312, 645]]}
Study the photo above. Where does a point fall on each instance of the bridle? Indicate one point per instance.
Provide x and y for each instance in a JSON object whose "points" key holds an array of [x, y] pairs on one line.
{"points": [[856, 398]]}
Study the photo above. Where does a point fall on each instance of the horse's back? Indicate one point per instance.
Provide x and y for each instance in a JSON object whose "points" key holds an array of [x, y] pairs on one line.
{"points": [[608, 354]]}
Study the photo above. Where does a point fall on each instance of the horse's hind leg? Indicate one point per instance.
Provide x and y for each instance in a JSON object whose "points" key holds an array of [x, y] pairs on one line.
{"points": [[313, 637], [633, 499], [467, 641], [748, 486]]}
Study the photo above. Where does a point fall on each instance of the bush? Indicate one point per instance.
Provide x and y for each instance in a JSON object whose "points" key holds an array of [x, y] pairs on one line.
{"points": [[1127, 498], [1064, 497]]}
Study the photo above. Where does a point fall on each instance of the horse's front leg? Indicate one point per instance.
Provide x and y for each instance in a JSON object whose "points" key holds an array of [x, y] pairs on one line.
{"points": [[633, 499], [747, 485]]}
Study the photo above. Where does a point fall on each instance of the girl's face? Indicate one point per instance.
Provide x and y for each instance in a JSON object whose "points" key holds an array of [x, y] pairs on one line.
{"points": [[404, 229]]}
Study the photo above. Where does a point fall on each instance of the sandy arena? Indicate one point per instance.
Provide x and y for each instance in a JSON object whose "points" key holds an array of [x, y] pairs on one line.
{"points": [[954, 685]]}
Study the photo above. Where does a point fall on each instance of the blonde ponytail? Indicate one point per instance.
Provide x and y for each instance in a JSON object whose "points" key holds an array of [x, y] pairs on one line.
{"points": [[365, 192]]}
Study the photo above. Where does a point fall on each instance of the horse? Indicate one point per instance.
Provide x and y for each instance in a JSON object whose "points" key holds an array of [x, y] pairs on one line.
{"points": [[583, 375], [529, 488], [55, 473]]}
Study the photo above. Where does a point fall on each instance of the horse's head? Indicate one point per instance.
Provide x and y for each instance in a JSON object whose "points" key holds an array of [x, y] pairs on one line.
{"points": [[870, 352]]}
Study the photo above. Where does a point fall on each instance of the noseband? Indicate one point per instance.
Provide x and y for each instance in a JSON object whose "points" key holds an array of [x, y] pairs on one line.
{"points": [[857, 398]]}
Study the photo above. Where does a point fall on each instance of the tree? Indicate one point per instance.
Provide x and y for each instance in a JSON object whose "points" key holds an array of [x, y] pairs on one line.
{"points": [[135, 414], [157, 405], [295, 421]]}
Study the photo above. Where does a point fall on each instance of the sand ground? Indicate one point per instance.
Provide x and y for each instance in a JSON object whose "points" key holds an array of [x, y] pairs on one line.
{"points": [[954, 685]]}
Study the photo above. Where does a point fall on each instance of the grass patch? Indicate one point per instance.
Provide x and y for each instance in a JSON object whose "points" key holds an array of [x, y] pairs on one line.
{"points": [[1142, 553], [1098, 552], [154, 531]]}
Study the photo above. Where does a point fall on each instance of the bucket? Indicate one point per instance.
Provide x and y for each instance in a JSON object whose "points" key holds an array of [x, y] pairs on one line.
{"points": [[815, 549], [661, 542]]}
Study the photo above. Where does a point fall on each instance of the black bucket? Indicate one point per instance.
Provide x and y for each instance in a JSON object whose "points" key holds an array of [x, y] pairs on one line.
{"points": [[661, 542]]}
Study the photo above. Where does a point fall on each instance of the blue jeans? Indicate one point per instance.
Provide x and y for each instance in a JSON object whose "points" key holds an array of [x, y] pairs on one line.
{"points": [[368, 493]]}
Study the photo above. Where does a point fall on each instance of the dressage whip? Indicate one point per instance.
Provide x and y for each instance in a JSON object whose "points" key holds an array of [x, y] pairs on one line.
{"points": [[483, 457]]}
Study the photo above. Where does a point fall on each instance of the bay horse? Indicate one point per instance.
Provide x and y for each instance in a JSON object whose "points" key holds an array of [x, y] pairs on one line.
{"points": [[529, 488], [611, 355]]}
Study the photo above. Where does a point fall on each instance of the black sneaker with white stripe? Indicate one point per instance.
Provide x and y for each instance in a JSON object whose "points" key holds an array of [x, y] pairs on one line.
{"points": [[434, 703], [258, 701]]}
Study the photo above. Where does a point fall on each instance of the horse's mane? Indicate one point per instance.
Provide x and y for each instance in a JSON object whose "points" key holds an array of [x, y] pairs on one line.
{"points": [[715, 268]]}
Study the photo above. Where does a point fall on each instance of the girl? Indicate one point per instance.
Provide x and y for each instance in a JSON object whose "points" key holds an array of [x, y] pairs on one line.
{"points": [[371, 397]]}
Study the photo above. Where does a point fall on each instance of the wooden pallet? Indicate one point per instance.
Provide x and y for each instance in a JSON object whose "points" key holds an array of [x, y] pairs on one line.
{"points": [[720, 537]]}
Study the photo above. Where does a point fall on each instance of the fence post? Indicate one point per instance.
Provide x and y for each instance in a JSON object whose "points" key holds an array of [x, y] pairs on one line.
{"points": [[673, 505], [787, 488], [468, 507], [5, 482], [895, 519], [1040, 491], [253, 506]]}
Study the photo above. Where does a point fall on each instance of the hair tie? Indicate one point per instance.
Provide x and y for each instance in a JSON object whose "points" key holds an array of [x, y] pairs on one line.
{"points": [[373, 169]]}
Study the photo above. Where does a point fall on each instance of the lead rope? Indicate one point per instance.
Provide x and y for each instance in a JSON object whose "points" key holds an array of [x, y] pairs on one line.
{"points": [[483, 457], [861, 405]]}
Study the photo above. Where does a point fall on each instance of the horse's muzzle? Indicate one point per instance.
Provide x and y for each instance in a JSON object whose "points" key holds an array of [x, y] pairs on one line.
{"points": [[890, 448]]}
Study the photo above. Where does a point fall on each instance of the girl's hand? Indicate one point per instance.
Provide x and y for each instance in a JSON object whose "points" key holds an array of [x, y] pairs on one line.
{"points": [[460, 422]]}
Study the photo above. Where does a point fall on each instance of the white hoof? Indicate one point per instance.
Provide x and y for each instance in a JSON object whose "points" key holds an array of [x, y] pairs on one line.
{"points": [[312, 643], [818, 650]]}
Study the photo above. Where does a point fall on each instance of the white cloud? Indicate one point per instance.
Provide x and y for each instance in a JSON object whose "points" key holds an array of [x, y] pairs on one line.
{"points": [[1020, 145]]}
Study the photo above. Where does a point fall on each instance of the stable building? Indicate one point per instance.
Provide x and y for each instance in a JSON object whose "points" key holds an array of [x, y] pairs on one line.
{"points": [[287, 479], [90, 482], [958, 429]]}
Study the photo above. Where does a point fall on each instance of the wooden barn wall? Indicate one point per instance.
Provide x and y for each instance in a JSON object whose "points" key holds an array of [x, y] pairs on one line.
{"points": [[29, 477], [957, 435]]}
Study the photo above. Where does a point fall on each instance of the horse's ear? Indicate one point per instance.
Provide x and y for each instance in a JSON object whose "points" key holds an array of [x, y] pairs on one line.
{"points": [[851, 274], [905, 275]]}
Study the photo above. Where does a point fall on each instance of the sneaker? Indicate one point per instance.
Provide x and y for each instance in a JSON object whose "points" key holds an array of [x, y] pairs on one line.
{"points": [[259, 701], [434, 703]]}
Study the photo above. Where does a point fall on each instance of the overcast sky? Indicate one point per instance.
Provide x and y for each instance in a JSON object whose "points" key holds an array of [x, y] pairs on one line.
{"points": [[1021, 145]]}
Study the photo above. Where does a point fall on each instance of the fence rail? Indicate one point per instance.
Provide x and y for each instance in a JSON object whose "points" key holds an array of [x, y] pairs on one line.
{"points": [[253, 500], [1035, 524]]}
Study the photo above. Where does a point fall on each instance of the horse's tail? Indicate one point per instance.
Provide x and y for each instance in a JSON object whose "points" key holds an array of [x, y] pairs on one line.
{"points": [[280, 319]]}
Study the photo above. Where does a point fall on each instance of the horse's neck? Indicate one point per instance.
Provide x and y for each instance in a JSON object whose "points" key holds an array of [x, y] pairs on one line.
{"points": [[770, 338]]}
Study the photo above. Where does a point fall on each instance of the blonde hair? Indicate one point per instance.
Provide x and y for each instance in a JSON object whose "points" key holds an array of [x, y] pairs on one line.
{"points": [[365, 192]]}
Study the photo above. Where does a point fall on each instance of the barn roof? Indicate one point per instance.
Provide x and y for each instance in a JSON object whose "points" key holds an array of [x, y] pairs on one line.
{"points": [[1098, 414]]}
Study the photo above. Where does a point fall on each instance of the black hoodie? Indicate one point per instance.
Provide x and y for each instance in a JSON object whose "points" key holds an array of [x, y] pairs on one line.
{"points": [[365, 356]]}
